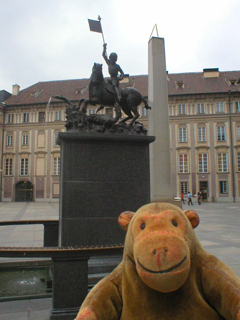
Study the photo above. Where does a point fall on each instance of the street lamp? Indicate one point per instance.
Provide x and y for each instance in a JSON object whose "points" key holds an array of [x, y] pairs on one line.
{"points": [[231, 142]]}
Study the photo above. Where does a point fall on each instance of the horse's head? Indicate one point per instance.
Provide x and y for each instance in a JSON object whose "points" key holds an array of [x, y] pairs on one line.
{"points": [[97, 75]]}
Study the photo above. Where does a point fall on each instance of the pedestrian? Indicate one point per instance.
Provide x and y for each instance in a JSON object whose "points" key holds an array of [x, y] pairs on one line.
{"points": [[182, 198], [199, 198], [189, 198]]}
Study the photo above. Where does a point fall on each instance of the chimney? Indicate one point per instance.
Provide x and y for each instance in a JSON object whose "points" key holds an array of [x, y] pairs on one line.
{"points": [[15, 89], [211, 73]]}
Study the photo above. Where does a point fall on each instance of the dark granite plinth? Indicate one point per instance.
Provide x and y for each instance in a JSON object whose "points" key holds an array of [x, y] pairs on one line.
{"points": [[101, 176], [70, 287]]}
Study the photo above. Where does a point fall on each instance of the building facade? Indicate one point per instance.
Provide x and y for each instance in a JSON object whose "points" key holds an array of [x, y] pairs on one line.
{"points": [[204, 110]]}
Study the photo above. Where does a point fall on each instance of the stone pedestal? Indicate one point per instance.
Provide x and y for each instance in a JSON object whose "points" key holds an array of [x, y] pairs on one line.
{"points": [[158, 123], [102, 175], [70, 286]]}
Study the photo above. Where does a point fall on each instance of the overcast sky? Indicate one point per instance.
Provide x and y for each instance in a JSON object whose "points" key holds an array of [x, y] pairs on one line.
{"points": [[44, 40]]}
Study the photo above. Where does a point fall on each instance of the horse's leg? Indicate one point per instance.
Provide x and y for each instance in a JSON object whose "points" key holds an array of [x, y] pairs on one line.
{"points": [[84, 107], [137, 115], [126, 119]]}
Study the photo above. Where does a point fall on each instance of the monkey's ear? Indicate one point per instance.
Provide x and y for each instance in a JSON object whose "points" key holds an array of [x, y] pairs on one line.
{"points": [[192, 217], [124, 219]]}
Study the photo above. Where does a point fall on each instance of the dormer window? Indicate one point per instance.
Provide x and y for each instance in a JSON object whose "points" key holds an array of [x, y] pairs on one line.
{"points": [[78, 90], [232, 82], [35, 93], [180, 84]]}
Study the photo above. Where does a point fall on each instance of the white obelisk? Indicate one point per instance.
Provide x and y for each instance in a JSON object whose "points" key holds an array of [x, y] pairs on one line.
{"points": [[158, 123]]}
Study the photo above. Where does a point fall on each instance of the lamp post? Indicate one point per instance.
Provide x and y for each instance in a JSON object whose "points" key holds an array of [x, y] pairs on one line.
{"points": [[1, 160], [231, 142]]}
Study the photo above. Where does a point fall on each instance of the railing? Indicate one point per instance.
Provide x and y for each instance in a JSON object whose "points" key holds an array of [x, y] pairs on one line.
{"points": [[70, 273], [50, 234]]}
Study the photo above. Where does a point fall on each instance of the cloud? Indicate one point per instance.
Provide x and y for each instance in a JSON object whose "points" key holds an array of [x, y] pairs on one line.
{"points": [[50, 40]]}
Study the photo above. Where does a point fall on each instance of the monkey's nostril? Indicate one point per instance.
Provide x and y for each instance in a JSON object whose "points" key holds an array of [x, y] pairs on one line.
{"points": [[154, 252], [165, 249]]}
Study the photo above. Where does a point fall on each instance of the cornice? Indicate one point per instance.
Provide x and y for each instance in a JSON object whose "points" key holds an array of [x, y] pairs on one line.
{"points": [[183, 147], [222, 147], [202, 147], [24, 152]]}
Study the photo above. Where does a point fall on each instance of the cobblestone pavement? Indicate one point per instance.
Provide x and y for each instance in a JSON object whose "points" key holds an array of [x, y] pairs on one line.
{"points": [[219, 233]]}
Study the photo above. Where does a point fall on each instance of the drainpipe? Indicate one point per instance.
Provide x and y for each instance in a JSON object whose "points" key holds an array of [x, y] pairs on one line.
{"points": [[1, 165], [232, 149]]}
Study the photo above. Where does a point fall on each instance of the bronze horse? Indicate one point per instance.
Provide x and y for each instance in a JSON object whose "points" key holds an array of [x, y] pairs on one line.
{"points": [[102, 93]]}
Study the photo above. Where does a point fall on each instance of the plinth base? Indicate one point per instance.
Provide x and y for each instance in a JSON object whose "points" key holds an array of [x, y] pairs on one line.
{"points": [[102, 175]]}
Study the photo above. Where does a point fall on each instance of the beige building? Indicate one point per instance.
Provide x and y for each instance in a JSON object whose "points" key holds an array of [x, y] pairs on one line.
{"points": [[204, 110]]}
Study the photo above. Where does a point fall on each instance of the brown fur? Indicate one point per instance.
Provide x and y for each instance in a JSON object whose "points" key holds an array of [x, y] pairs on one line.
{"points": [[165, 273]]}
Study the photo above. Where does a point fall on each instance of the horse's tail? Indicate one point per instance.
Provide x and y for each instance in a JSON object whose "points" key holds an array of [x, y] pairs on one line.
{"points": [[146, 104], [80, 102], [64, 99]]}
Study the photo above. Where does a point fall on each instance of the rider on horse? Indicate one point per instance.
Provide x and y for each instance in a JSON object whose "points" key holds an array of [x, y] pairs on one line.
{"points": [[113, 69]]}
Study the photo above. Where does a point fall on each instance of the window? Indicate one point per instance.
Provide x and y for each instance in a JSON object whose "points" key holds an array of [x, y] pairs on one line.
{"points": [[56, 165], [238, 162], [144, 112], [237, 105], [223, 187], [91, 111], [182, 134], [24, 166], [9, 140], [183, 163], [238, 132], [201, 134], [200, 108], [26, 117], [58, 115], [41, 116], [10, 118], [202, 163], [181, 109], [180, 84], [222, 162], [219, 107], [184, 187], [8, 167], [55, 139], [221, 133], [25, 140], [109, 111]]}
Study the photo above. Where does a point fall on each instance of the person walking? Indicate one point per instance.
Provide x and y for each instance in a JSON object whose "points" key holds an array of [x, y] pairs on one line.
{"points": [[189, 198], [182, 198], [199, 198]]}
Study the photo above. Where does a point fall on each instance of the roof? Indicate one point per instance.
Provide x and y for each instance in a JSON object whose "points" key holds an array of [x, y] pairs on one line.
{"points": [[4, 95], [178, 84]]}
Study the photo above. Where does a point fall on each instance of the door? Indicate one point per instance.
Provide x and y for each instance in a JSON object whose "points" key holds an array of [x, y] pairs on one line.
{"points": [[203, 187], [24, 191]]}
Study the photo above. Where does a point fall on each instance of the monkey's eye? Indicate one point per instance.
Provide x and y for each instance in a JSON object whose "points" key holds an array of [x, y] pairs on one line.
{"points": [[143, 225], [174, 223]]}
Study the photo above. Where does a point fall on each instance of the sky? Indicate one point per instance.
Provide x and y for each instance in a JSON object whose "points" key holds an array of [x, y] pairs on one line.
{"points": [[45, 40]]}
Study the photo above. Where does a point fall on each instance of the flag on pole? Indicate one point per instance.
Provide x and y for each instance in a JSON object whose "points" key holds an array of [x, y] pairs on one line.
{"points": [[95, 25]]}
